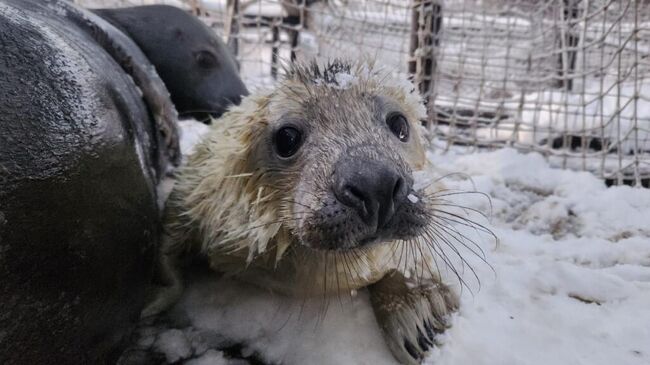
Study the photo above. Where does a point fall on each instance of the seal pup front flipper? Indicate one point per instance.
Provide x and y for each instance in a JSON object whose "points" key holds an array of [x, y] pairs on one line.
{"points": [[169, 274], [411, 314], [135, 63]]}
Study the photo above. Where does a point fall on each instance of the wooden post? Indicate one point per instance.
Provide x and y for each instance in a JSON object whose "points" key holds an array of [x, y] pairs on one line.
{"points": [[294, 43], [232, 28], [426, 23], [275, 33], [568, 43], [196, 7], [296, 21]]}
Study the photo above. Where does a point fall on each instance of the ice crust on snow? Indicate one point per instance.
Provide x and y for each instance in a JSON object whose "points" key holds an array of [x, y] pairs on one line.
{"points": [[569, 281]]}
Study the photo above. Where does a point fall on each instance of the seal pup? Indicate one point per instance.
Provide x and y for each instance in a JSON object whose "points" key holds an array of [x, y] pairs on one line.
{"points": [[308, 189]]}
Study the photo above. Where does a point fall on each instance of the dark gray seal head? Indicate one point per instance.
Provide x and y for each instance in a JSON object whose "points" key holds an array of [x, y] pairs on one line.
{"points": [[194, 63]]}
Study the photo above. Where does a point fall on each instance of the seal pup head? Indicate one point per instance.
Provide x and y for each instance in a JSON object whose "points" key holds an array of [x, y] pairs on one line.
{"points": [[325, 161]]}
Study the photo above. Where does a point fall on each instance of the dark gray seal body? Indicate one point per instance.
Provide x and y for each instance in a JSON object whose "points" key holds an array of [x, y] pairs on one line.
{"points": [[78, 171], [87, 130], [195, 64]]}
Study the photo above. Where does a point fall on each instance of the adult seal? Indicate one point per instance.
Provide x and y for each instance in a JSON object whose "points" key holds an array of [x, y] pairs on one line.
{"points": [[199, 71], [87, 130], [308, 190]]}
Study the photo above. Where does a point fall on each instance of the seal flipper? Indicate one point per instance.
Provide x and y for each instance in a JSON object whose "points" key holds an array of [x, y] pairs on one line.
{"points": [[134, 62], [410, 315], [170, 274]]}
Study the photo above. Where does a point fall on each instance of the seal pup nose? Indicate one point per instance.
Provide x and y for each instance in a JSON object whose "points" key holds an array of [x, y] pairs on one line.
{"points": [[371, 188]]}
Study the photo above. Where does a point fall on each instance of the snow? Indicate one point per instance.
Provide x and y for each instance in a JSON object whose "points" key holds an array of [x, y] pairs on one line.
{"points": [[211, 357], [571, 268], [192, 132], [567, 283], [174, 345]]}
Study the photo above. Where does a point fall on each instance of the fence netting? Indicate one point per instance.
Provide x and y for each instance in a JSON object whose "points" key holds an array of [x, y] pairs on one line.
{"points": [[567, 78]]}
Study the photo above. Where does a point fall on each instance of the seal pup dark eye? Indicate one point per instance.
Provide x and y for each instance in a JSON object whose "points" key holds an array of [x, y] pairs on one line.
{"points": [[398, 125], [205, 59], [287, 141]]}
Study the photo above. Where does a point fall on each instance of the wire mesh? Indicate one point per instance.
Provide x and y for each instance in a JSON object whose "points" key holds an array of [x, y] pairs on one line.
{"points": [[567, 78]]}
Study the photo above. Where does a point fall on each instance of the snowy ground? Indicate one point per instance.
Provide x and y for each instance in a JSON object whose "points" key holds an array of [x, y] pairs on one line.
{"points": [[569, 283]]}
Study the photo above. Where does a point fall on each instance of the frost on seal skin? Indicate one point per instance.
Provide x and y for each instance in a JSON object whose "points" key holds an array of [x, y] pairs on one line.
{"points": [[78, 169], [302, 224]]}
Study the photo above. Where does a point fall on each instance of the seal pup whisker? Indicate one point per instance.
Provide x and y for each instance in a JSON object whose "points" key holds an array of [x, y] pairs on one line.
{"points": [[461, 239]]}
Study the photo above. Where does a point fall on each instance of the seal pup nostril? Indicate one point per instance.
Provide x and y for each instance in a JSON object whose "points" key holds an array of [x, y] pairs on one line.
{"points": [[399, 191], [354, 197], [397, 187]]}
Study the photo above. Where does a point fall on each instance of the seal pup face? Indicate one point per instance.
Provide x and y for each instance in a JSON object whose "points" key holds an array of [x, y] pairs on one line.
{"points": [[194, 63], [341, 142]]}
